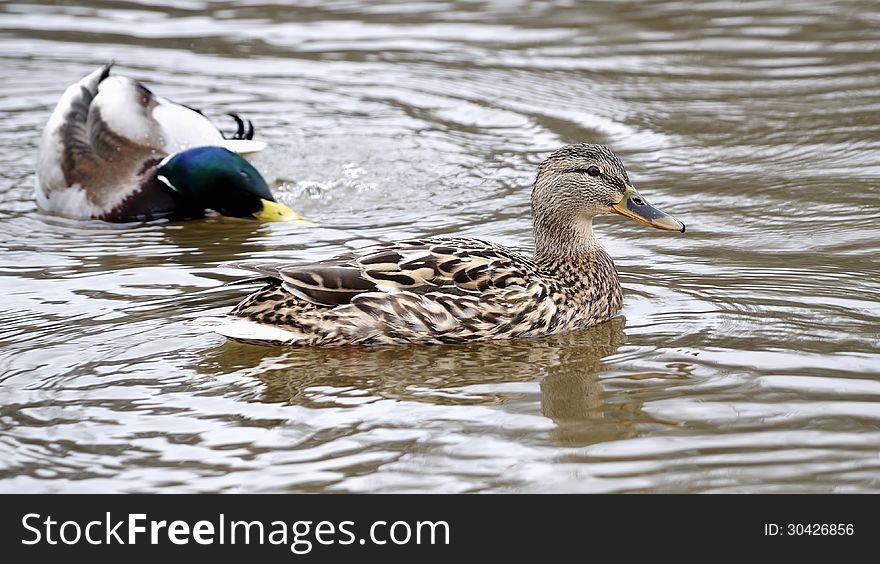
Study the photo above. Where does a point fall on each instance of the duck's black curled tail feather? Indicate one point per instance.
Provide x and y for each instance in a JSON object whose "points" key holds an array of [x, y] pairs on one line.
{"points": [[242, 132]]}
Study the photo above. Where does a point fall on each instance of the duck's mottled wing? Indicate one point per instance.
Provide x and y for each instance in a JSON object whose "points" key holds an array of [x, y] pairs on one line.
{"points": [[123, 139], [65, 145], [76, 135], [453, 266], [327, 284], [456, 265]]}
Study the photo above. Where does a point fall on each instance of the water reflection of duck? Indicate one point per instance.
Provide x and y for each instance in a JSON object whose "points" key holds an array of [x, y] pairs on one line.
{"points": [[112, 150], [572, 395], [570, 364], [459, 290]]}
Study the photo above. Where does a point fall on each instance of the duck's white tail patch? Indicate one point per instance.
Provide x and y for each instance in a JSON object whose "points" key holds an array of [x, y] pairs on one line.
{"points": [[243, 146], [244, 329]]}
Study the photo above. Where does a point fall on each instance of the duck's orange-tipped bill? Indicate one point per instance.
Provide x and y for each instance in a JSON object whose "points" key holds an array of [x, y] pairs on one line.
{"points": [[634, 206]]}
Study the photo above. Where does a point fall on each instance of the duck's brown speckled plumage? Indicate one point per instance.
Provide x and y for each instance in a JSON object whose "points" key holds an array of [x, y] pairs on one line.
{"points": [[433, 291], [452, 290]]}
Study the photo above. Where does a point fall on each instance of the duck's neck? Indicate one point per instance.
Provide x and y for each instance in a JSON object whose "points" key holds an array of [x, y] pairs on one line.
{"points": [[568, 253], [565, 240]]}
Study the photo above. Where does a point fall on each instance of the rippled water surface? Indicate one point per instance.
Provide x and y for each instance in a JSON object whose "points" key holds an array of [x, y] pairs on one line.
{"points": [[748, 355]]}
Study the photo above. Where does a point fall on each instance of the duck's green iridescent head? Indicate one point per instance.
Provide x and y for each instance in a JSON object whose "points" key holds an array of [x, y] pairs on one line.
{"points": [[218, 179]]}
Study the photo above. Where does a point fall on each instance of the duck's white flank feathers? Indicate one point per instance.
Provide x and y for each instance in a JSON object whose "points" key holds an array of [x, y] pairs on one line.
{"points": [[70, 201], [245, 330]]}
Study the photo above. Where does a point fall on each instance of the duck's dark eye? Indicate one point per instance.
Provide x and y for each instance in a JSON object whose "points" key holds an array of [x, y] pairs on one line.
{"points": [[592, 171]]}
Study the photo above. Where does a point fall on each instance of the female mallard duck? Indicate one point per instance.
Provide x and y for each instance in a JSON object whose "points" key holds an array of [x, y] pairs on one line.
{"points": [[459, 290], [112, 150]]}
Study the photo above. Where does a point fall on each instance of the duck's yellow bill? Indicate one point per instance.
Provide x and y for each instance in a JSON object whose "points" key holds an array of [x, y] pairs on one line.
{"points": [[276, 211], [634, 206]]}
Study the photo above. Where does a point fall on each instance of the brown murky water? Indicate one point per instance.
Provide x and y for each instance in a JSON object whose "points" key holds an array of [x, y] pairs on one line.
{"points": [[748, 357]]}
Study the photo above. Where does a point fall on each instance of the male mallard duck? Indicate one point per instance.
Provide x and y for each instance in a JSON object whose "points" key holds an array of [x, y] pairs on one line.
{"points": [[459, 290], [113, 150]]}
